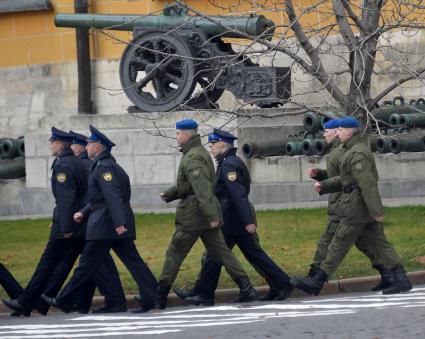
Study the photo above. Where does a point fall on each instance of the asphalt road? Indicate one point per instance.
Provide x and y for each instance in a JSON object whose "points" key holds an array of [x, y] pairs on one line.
{"points": [[341, 316]]}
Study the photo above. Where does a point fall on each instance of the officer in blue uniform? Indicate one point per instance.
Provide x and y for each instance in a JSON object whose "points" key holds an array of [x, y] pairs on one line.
{"points": [[69, 186], [107, 276], [110, 225], [232, 190]]}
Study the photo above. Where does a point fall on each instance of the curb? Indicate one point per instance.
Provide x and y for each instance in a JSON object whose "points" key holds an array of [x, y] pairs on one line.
{"points": [[361, 284]]}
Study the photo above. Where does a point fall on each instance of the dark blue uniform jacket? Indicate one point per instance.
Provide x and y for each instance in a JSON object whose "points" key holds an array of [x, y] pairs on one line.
{"points": [[69, 186], [232, 189], [109, 195]]}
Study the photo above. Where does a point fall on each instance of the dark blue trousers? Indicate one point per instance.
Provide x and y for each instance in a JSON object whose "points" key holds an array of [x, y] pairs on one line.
{"points": [[94, 253], [250, 247], [9, 283]]}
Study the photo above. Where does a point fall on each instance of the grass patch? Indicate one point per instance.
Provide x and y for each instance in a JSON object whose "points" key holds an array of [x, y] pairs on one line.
{"points": [[288, 236]]}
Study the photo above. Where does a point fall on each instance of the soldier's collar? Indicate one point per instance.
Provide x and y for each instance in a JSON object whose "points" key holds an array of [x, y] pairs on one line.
{"points": [[195, 141], [355, 139]]}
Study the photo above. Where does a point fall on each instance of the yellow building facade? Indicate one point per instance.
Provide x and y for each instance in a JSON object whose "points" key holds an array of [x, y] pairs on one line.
{"points": [[31, 38]]}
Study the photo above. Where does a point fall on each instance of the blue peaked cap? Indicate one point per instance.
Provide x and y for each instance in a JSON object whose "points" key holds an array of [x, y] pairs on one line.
{"points": [[331, 124], [220, 135], [60, 135], [349, 122], [101, 138], [186, 124], [78, 139]]}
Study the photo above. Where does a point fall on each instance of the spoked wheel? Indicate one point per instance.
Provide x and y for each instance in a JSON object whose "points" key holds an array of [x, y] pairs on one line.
{"points": [[155, 72], [205, 94]]}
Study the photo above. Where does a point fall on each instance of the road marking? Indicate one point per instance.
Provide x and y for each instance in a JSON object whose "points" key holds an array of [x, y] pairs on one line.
{"points": [[164, 322]]}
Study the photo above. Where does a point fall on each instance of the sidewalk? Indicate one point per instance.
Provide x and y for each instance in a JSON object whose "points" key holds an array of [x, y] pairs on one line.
{"points": [[362, 284]]}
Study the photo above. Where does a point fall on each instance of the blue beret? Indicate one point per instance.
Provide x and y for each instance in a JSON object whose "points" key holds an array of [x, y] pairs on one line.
{"points": [[349, 122], [220, 135], [101, 138], [60, 135], [331, 124], [79, 139], [186, 124]]}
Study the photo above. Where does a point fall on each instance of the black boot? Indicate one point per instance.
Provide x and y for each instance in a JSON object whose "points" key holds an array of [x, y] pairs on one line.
{"points": [[401, 281], [163, 289], [310, 285], [184, 293], [386, 278], [284, 292], [16, 307], [246, 291], [312, 271]]}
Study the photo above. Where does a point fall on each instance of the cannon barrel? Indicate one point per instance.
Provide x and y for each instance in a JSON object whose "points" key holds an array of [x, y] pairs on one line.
{"points": [[320, 147], [408, 143], [311, 121], [12, 168], [413, 120], [383, 144], [254, 25], [395, 119], [264, 149], [9, 148], [383, 114]]}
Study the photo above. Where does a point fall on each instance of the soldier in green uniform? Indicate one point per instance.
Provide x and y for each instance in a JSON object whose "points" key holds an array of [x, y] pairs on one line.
{"points": [[361, 213], [198, 215], [328, 181]]}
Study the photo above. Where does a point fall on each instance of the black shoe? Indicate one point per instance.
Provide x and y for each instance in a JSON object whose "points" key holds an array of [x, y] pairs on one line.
{"points": [[271, 294], [183, 293], [144, 308], [53, 302], [111, 309], [15, 306], [310, 285], [200, 301], [284, 293], [247, 292], [79, 309], [401, 281]]}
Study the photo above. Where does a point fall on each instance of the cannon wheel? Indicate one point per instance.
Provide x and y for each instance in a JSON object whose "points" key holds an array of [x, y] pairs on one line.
{"points": [[206, 96], [156, 73]]}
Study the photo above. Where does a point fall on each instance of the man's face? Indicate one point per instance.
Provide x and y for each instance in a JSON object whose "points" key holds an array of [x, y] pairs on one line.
{"points": [[182, 137], [78, 149], [330, 135], [91, 148], [56, 147], [344, 134], [216, 148]]}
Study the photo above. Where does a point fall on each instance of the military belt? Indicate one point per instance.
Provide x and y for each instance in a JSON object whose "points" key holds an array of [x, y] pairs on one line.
{"points": [[349, 188]]}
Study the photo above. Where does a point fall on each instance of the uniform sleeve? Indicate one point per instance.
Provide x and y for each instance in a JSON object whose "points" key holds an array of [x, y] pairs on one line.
{"points": [[109, 184], [331, 185], [203, 189], [237, 193], [364, 176], [66, 191], [322, 174], [171, 194]]}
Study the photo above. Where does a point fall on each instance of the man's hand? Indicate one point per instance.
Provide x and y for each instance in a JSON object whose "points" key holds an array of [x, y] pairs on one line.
{"points": [[251, 228], [379, 218], [78, 217], [214, 223], [67, 235], [50, 225], [317, 187], [312, 172], [120, 229], [163, 196]]}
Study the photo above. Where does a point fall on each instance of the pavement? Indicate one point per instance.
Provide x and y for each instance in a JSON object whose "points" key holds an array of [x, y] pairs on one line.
{"points": [[360, 284]]}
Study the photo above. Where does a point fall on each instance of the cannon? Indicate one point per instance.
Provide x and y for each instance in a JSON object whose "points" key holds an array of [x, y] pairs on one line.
{"points": [[9, 148], [383, 144], [177, 60], [12, 168], [395, 109], [412, 120], [414, 142], [308, 145], [264, 149]]}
